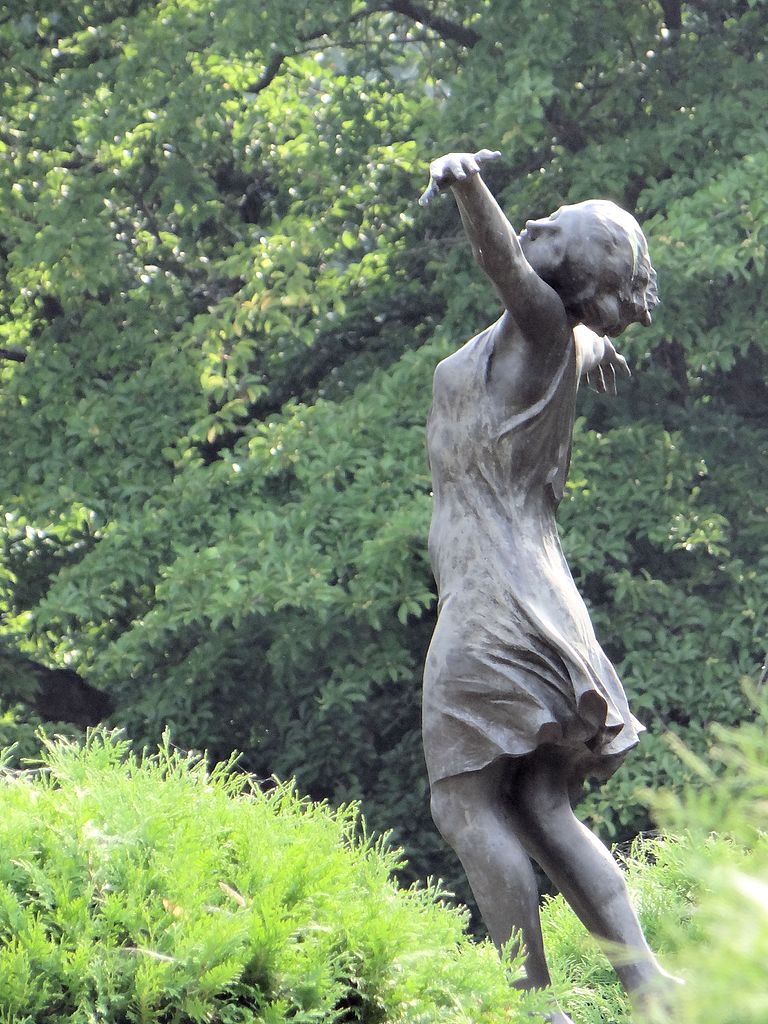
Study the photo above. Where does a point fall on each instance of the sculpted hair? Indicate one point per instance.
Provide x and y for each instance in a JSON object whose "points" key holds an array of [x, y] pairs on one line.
{"points": [[639, 287]]}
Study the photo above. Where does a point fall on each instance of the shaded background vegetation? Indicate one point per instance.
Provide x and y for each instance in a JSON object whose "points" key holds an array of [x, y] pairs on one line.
{"points": [[220, 309]]}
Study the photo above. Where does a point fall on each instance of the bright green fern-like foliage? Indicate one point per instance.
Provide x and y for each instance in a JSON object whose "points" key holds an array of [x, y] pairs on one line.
{"points": [[702, 895], [152, 889], [155, 890], [723, 823], [662, 886]]}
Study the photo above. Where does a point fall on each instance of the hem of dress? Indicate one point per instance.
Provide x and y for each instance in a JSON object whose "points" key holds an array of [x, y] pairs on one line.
{"points": [[581, 763]]}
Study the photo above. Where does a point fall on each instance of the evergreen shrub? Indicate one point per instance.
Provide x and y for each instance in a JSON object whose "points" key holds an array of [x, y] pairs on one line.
{"points": [[701, 893], [152, 889], [722, 823]]}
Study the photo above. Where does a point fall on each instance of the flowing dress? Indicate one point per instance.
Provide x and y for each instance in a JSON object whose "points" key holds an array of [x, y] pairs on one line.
{"points": [[514, 664]]}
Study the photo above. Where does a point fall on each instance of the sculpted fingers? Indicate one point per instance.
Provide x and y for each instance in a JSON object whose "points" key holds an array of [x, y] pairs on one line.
{"points": [[622, 364], [459, 166], [429, 193], [616, 359], [452, 168], [613, 362], [446, 168], [487, 154], [442, 173]]}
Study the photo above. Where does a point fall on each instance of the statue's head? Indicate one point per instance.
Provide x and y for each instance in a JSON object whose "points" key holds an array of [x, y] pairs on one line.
{"points": [[595, 256]]}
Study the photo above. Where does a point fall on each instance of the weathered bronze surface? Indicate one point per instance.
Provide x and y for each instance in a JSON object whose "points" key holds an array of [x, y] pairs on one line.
{"points": [[521, 704]]}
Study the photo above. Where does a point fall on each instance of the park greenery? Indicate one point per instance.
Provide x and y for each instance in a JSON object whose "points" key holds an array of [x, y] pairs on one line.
{"points": [[155, 890], [220, 309], [158, 889]]}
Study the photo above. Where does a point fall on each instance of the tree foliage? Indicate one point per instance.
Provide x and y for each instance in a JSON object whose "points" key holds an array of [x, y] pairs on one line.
{"points": [[220, 311]]}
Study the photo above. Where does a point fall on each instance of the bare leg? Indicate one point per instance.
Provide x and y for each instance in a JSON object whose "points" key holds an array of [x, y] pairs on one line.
{"points": [[470, 812], [584, 872]]}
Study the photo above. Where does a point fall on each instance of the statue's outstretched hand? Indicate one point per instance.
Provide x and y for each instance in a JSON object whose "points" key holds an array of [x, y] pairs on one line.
{"points": [[447, 170], [603, 377]]}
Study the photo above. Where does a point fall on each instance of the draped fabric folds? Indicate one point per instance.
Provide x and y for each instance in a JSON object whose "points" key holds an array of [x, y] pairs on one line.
{"points": [[514, 663]]}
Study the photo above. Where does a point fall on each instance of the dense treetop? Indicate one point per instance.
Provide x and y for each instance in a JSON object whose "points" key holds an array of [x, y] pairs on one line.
{"points": [[220, 309]]}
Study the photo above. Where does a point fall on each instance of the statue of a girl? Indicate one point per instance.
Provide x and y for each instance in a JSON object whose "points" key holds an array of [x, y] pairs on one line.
{"points": [[521, 704]]}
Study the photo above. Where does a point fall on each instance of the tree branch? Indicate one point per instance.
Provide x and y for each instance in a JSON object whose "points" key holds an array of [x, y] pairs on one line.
{"points": [[673, 17], [270, 73], [18, 355], [443, 26]]}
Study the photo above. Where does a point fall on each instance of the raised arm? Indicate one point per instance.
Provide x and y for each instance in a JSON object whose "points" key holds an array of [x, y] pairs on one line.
{"points": [[493, 239]]}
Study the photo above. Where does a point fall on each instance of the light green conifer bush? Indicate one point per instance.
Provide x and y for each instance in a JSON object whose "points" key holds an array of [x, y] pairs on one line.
{"points": [[154, 890], [723, 827], [701, 892]]}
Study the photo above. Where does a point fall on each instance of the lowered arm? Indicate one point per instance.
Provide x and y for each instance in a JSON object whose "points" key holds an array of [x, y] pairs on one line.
{"points": [[598, 359]]}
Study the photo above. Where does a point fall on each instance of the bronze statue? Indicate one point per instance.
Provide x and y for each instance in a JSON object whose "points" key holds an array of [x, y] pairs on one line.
{"points": [[521, 704]]}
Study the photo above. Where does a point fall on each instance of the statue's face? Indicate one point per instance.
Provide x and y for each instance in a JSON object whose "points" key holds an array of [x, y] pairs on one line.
{"points": [[584, 264]]}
